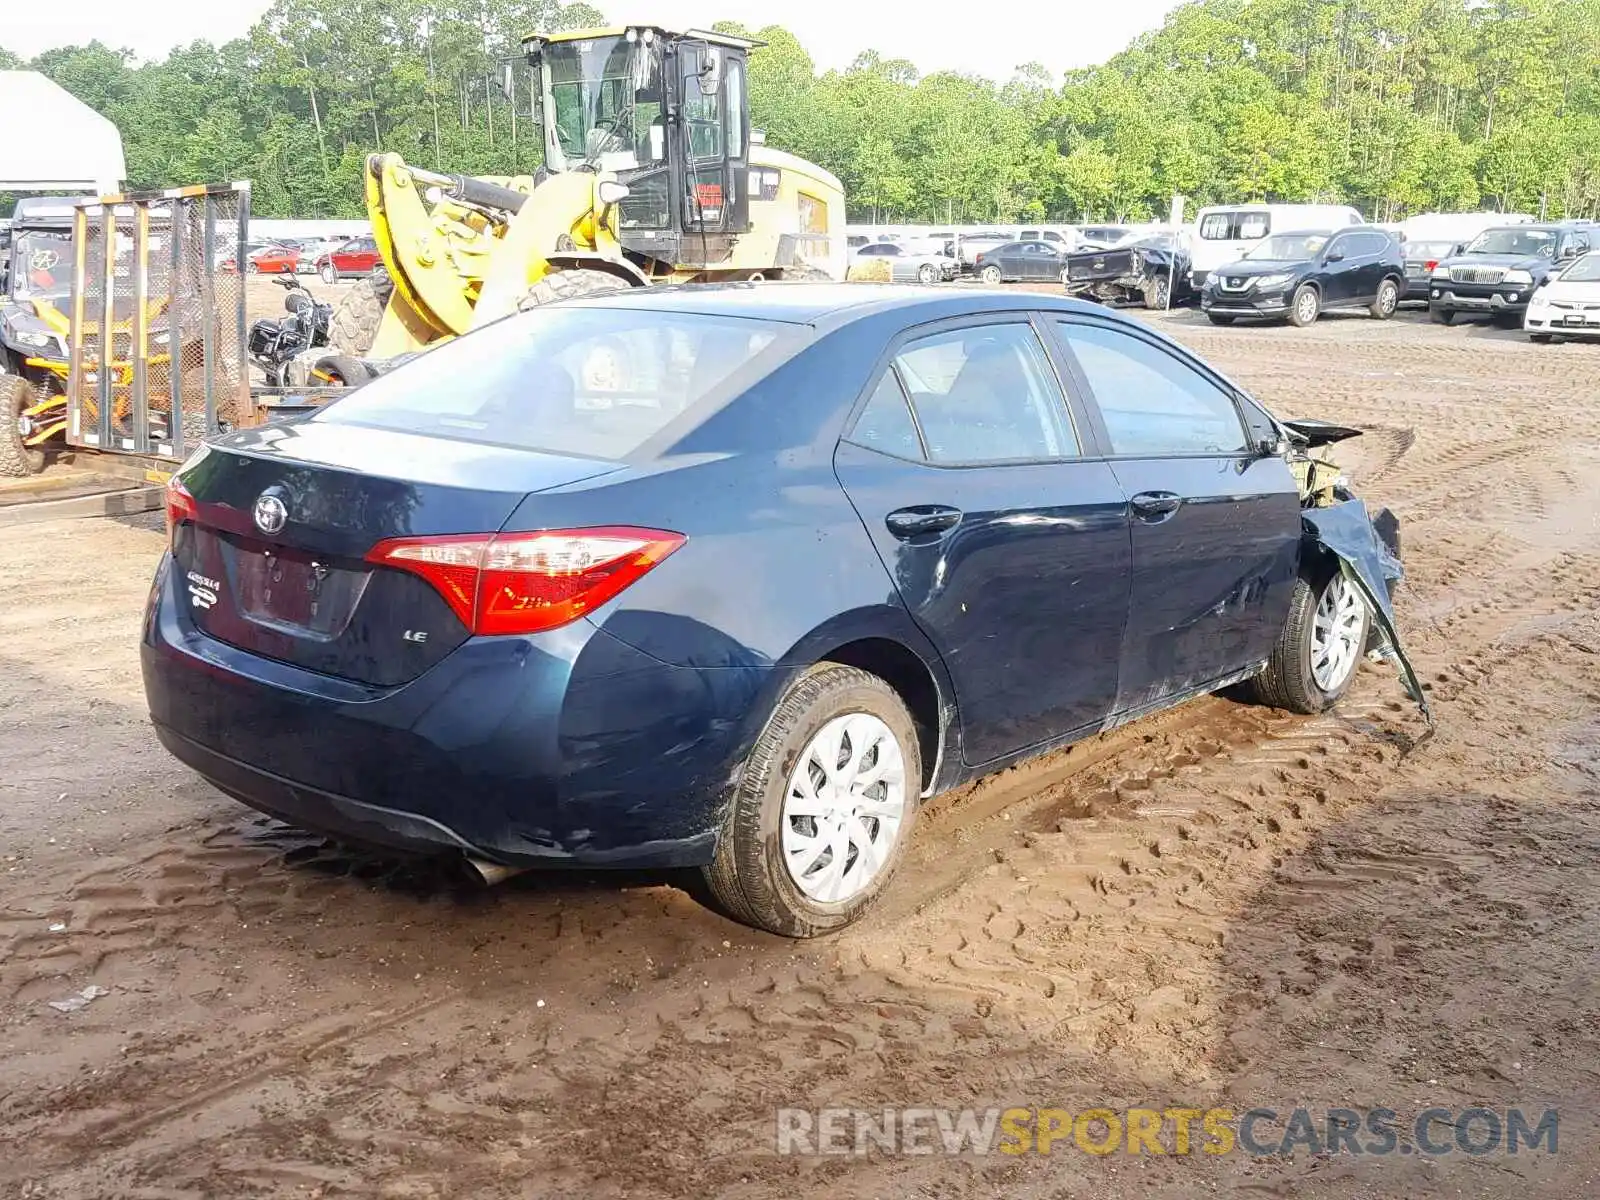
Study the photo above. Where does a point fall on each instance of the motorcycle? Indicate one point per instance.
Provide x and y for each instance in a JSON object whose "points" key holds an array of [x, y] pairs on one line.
{"points": [[292, 351]]}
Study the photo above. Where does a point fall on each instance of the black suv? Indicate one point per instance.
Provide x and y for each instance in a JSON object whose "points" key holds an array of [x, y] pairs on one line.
{"points": [[1497, 272], [1295, 276]]}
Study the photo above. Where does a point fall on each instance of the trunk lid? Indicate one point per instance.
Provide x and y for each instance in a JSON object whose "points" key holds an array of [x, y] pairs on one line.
{"points": [[274, 561]]}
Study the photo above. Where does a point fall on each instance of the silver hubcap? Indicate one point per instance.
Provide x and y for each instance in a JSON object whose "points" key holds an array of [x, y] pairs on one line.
{"points": [[843, 807], [1386, 301], [1308, 306], [1336, 634]]}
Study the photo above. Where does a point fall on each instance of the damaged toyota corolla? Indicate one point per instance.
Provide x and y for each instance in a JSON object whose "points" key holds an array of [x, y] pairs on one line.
{"points": [[733, 578]]}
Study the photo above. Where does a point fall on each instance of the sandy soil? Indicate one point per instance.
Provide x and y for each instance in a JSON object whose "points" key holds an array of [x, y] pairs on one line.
{"points": [[1223, 905]]}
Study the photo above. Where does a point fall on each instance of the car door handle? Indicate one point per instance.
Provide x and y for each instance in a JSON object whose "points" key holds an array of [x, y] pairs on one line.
{"points": [[1156, 506], [919, 520]]}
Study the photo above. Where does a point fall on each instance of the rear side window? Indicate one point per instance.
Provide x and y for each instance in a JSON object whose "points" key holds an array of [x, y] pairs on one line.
{"points": [[885, 424], [1235, 226], [1153, 403], [596, 382], [1370, 244], [986, 394]]}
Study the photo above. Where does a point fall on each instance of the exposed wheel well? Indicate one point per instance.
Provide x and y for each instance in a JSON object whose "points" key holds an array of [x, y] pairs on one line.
{"points": [[909, 676]]}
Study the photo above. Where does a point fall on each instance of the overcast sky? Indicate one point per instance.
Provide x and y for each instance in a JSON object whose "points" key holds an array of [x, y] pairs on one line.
{"points": [[1060, 34]]}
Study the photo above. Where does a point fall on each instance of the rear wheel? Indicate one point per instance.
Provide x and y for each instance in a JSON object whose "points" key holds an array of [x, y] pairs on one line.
{"points": [[1321, 645], [990, 274], [1386, 301], [569, 285], [354, 324], [824, 806], [927, 274], [1155, 292], [1305, 307], [16, 460]]}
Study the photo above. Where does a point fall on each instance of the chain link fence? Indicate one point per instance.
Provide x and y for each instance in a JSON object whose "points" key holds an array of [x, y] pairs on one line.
{"points": [[157, 358]]}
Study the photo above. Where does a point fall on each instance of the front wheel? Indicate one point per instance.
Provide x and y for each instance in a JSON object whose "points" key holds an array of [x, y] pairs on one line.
{"points": [[1321, 644], [329, 273], [16, 459], [824, 806], [1386, 301], [1305, 307], [990, 274]]}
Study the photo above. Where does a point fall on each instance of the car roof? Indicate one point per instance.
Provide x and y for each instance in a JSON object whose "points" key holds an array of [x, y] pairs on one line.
{"points": [[827, 305]]}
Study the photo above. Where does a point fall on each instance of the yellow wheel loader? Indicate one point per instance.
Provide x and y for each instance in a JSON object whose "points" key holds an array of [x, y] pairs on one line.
{"points": [[652, 174]]}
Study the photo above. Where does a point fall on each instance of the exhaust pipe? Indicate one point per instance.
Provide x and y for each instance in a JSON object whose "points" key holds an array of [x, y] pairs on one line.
{"points": [[492, 873]]}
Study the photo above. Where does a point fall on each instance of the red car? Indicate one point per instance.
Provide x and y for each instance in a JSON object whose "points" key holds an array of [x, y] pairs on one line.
{"points": [[273, 260], [358, 256]]}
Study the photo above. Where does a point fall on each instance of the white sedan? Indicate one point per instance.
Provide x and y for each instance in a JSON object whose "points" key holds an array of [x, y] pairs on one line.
{"points": [[1568, 303]]}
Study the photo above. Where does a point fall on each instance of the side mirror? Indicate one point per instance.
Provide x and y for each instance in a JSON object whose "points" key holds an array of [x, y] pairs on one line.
{"points": [[1272, 447], [1458, 248], [711, 70], [1333, 256]]}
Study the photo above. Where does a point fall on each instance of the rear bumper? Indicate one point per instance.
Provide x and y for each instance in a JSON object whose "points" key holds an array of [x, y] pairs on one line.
{"points": [[567, 748]]}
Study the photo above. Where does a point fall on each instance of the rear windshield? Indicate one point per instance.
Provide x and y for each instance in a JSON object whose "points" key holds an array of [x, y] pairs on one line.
{"points": [[1434, 250], [595, 382]]}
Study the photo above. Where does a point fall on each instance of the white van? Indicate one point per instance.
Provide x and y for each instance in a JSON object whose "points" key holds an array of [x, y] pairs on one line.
{"points": [[1224, 233]]}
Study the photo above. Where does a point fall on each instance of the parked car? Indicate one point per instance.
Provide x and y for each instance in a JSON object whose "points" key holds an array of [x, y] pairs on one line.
{"points": [[796, 558], [1567, 304], [1142, 269], [276, 259], [909, 263], [1497, 272], [1099, 237], [1021, 260], [358, 256], [312, 251], [1421, 258], [1298, 276], [226, 255], [1226, 233]]}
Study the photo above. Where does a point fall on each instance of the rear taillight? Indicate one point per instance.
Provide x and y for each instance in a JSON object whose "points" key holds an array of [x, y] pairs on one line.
{"points": [[528, 582], [181, 506]]}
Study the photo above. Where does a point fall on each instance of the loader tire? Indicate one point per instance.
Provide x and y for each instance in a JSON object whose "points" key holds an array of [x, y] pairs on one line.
{"points": [[16, 460], [805, 273], [569, 285], [354, 325]]}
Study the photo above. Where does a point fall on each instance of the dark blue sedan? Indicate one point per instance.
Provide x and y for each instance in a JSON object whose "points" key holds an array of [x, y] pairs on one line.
{"points": [[732, 578]]}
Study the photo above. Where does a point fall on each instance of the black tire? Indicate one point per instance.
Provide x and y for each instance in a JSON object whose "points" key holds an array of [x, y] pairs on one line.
{"points": [[1155, 292], [748, 877], [355, 322], [927, 274], [1288, 681], [570, 285], [329, 273], [1542, 338], [1442, 316], [1219, 318], [16, 460], [991, 275], [1386, 301], [340, 370], [1305, 307]]}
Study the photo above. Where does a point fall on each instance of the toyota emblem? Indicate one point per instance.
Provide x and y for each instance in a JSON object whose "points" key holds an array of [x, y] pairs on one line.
{"points": [[271, 513]]}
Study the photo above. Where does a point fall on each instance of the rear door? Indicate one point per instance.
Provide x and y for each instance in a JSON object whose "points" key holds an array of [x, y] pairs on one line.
{"points": [[1009, 547], [1216, 525]]}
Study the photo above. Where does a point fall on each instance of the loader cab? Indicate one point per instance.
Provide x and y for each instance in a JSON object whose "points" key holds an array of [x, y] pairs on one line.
{"points": [[666, 114]]}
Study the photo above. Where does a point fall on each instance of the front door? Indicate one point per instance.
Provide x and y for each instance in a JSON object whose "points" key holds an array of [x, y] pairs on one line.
{"points": [[1216, 525], [1341, 281], [1010, 552]]}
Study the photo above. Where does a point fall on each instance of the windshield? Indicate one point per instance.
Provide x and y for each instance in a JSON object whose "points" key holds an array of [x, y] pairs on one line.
{"points": [[1289, 247], [1526, 242], [603, 104], [595, 382], [42, 266], [1585, 270]]}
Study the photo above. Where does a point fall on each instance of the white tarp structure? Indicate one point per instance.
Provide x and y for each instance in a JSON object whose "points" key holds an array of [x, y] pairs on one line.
{"points": [[66, 146]]}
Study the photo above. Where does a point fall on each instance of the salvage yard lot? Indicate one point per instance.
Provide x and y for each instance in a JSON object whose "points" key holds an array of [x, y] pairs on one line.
{"points": [[1222, 906]]}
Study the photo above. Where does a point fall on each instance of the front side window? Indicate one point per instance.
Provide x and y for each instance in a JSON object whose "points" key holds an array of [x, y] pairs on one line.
{"points": [[1153, 403], [986, 394], [734, 87], [595, 382]]}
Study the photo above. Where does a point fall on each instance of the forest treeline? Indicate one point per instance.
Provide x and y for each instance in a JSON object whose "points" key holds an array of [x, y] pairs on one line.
{"points": [[1397, 106]]}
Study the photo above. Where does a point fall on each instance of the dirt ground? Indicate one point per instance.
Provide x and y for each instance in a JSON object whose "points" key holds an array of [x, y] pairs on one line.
{"points": [[1223, 906]]}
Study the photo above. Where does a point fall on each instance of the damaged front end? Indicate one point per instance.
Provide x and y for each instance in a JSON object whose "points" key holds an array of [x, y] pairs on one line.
{"points": [[1366, 546]]}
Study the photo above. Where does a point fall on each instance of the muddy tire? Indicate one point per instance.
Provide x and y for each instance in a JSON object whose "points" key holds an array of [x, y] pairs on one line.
{"points": [[806, 846], [16, 460], [569, 285], [1386, 301], [1155, 292], [354, 325], [1321, 646], [1306, 306], [806, 273]]}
